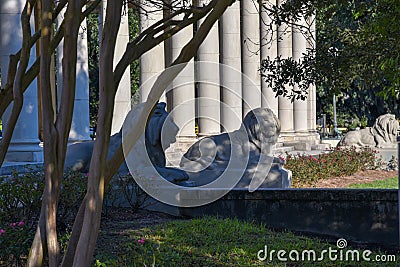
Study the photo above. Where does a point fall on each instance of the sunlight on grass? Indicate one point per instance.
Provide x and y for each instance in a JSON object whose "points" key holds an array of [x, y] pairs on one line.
{"points": [[390, 183], [214, 242]]}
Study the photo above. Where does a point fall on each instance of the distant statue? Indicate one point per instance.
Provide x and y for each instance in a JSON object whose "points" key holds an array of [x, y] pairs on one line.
{"points": [[252, 144], [79, 154], [381, 135]]}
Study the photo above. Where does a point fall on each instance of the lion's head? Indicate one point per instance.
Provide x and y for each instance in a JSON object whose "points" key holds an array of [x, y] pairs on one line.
{"points": [[159, 135], [262, 126], [386, 127]]}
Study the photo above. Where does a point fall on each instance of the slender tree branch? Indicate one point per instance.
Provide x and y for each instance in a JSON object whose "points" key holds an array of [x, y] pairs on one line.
{"points": [[6, 95], [147, 40], [16, 76], [95, 192], [165, 78]]}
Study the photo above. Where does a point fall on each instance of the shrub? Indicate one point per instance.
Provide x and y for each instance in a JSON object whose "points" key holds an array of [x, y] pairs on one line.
{"points": [[20, 201], [307, 170], [15, 240], [124, 191]]}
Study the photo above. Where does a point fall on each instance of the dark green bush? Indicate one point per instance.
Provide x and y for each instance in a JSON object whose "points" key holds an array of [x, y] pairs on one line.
{"points": [[20, 203], [307, 170]]}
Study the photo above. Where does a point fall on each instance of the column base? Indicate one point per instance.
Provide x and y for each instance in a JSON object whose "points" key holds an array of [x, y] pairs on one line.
{"points": [[24, 151], [302, 141]]}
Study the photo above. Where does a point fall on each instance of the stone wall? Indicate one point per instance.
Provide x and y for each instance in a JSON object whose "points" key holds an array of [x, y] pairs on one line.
{"points": [[358, 215]]}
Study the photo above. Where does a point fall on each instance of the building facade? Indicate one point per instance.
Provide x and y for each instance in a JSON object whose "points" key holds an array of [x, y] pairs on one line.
{"points": [[237, 42]]}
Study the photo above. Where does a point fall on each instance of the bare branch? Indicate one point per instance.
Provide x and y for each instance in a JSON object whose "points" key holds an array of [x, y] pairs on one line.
{"points": [[6, 93], [156, 34], [16, 77], [165, 78]]}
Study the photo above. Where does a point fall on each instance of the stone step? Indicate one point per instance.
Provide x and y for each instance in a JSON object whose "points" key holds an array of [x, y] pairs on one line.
{"points": [[302, 146], [279, 144], [282, 150], [320, 147]]}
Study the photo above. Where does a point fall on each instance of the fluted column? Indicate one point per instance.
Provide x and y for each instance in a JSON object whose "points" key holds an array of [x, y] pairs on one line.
{"points": [[250, 55], [312, 94], [183, 92], [209, 81], [123, 96], [81, 118], [299, 106], [152, 62], [231, 79], [285, 104], [269, 47], [24, 144]]}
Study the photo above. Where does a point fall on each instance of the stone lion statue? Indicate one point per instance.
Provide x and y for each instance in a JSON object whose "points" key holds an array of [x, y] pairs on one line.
{"points": [[79, 154], [381, 135], [208, 158]]}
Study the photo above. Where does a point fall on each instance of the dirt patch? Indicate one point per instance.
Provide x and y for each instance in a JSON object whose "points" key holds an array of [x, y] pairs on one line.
{"points": [[357, 178]]}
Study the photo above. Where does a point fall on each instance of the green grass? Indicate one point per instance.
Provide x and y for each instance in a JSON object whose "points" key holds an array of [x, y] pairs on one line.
{"points": [[390, 183], [213, 242]]}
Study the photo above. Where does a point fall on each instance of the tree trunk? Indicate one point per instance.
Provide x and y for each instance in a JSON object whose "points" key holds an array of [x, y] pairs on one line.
{"points": [[55, 133], [85, 245], [95, 192], [15, 77]]}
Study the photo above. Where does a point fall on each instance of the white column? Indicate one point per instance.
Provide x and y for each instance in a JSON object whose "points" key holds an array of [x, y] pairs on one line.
{"points": [[269, 47], [25, 142], [231, 80], [80, 119], [285, 105], [123, 96], [209, 82], [183, 92], [312, 94], [250, 56], [152, 62], [299, 106]]}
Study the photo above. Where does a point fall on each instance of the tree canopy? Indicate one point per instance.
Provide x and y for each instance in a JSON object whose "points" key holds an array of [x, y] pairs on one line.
{"points": [[356, 55]]}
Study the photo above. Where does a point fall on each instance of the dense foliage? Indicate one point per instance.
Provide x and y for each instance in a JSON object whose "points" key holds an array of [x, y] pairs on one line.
{"points": [[356, 57], [307, 170], [93, 50], [20, 204]]}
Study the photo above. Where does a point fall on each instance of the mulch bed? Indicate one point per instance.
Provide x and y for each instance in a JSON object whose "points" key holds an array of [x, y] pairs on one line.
{"points": [[357, 178]]}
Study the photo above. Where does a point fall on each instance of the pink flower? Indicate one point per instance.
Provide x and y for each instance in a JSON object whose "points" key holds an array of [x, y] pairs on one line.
{"points": [[21, 223], [87, 174], [13, 224], [141, 241], [2, 231]]}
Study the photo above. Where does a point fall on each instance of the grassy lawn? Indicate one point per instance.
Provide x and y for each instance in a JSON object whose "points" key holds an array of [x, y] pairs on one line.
{"points": [[212, 242], [390, 183]]}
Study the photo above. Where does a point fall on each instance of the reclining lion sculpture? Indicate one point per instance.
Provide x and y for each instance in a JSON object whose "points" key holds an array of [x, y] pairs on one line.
{"points": [[79, 154], [209, 157], [381, 135]]}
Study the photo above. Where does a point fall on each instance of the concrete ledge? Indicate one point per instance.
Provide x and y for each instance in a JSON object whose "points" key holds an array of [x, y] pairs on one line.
{"points": [[362, 216]]}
